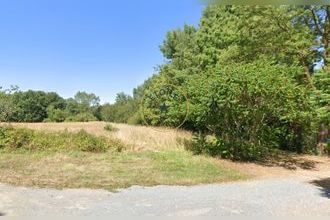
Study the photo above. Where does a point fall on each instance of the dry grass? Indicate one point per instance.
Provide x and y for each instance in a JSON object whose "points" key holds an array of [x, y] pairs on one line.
{"points": [[154, 156], [147, 138], [111, 171], [137, 138]]}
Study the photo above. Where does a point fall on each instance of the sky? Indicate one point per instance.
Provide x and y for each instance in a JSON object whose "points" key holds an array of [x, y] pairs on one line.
{"points": [[99, 46]]}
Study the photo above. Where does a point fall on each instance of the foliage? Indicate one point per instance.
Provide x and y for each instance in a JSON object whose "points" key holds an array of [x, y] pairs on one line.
{"points": [[12, 139], [110, 128], [6, 107], [251, 90], [86, 99], [39, 106], [257, 78], [250, 109], [321, 95], [81, 117], [122, 111], [31, 106], [56, 115]]}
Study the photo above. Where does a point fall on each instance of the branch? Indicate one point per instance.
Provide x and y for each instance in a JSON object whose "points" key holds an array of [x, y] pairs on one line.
{"points": [[316, 22], [328, 15]]}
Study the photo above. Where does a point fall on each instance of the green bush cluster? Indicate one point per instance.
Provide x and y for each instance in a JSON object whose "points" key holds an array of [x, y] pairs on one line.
{"points": [[12, 139], [252, 109]]}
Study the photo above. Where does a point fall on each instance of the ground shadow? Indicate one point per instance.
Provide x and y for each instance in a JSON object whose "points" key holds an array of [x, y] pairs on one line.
{"points": [[324, 184], [2, 214], [290, 161]]}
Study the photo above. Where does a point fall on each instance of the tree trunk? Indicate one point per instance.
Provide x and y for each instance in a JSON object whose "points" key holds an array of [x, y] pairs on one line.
{"points": [[324, 130]]}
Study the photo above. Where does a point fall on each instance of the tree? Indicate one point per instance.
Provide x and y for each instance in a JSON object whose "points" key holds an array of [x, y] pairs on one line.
{"points": [[238, 51], [6, 107], [87, 99], [31, 106], [121, 111]]}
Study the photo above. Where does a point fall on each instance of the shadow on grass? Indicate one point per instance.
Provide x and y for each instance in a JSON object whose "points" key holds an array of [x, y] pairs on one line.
{"points": [[290, 162], [324, 184]]}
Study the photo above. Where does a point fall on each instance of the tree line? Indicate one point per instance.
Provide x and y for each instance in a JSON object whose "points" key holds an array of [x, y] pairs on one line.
{"points": [[40, 106], [257, 77]]}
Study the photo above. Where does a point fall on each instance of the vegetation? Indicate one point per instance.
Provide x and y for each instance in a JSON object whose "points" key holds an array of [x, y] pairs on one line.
{"points": [[22, 139], [111, 128], [135, 138], [63, 159], [250, 91], [122, 111], [111, 171], [39, 106]]}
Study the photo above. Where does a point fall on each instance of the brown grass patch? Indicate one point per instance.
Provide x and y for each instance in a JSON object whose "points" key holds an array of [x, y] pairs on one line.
{"points": [[138, 138], [111, 171]]}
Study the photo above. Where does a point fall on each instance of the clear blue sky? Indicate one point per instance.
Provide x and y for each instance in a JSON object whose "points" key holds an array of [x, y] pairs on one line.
{"points": [[99, 46]]}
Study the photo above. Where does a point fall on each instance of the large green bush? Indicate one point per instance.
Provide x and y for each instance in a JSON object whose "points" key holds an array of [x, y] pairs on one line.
{"points": [[12, 139], [251, 109]]}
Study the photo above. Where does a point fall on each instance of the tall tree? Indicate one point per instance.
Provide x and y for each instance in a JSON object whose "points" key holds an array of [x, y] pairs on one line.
{"points": [[87, 99]]}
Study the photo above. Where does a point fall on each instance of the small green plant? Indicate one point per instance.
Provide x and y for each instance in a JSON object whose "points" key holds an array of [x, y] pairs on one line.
{"points": [[110, 128]]}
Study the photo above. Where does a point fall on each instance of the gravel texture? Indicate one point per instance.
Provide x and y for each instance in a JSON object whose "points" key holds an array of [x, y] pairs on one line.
{"points": [[293, 196]]}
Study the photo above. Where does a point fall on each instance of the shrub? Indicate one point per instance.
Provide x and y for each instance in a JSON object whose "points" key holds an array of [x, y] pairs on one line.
{"points": [[81, 117], [110, 128], [56, 115], [251, 110], [216, 146], [135, 119], [90, 143], [26, 139], [15, 139]]}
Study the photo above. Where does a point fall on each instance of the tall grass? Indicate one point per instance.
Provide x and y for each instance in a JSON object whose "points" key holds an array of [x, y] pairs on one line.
{"points": [[136, 138]]}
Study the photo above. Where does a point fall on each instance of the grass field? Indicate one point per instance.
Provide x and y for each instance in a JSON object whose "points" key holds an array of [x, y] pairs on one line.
{"points": [[150, 157], [136, 138]]}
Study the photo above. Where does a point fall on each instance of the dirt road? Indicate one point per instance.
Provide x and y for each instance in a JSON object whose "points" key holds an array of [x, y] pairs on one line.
{"points": [[294, 196]]}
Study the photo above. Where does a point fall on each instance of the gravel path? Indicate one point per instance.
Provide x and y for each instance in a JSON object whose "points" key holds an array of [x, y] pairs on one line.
{"points": [[279, 196]]}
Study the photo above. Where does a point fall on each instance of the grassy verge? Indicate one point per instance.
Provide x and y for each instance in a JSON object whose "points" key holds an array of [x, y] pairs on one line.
{"points": [[63, 159], [111, 170]]}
